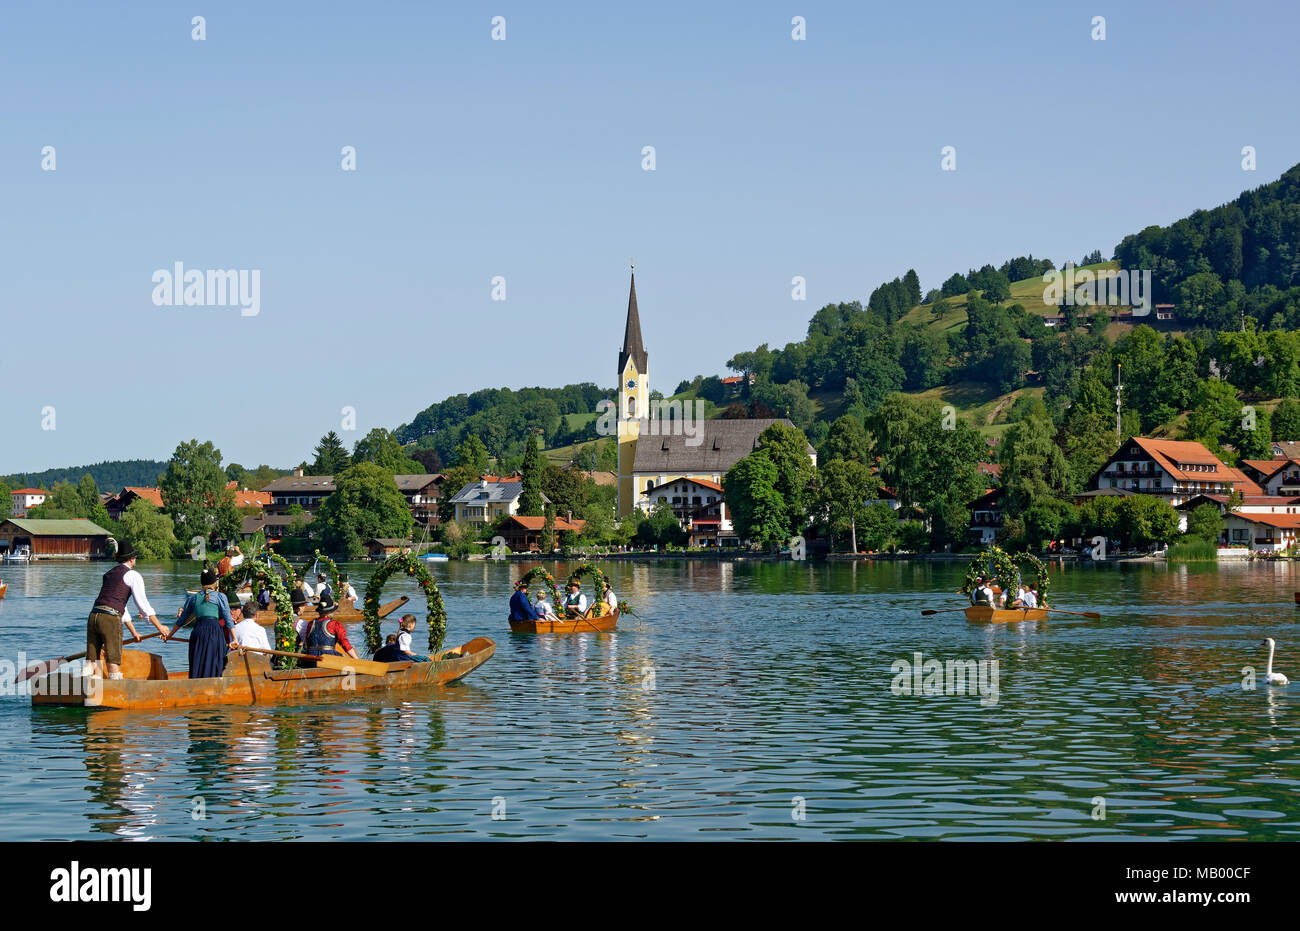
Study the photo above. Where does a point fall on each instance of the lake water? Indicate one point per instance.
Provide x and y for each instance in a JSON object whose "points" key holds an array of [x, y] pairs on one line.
{"points": [[750, 700]]}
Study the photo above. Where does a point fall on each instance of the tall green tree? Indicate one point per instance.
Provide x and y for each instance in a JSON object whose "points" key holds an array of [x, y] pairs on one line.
{"points": [[758, 511], [331, 455], [530, 498], [787, 448], [149, 530], [1033, 467], [1286, 420], [194, 493], [846, 440], [846, 489], [383, 449], [365, 504]]}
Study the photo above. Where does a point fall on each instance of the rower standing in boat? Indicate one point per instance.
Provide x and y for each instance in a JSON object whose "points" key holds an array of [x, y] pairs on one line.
{"points": [[104, 626], [233, 559], [324, 633], [212, 622], [575, 603]]}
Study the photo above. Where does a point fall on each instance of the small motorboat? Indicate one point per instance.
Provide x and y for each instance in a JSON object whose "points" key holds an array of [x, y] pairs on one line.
{"points": [[21, 553]]}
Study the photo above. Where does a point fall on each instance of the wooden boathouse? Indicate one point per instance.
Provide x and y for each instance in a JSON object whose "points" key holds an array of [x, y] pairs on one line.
{"points": [[55, 539]]}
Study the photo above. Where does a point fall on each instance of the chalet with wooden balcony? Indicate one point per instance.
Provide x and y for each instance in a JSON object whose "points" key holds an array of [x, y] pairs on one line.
{"points": [[1173, 469]]}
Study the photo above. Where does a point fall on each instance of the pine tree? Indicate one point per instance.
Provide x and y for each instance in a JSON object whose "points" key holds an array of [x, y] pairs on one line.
{"points": [[912, 282], [530, 499], [331, 456]]}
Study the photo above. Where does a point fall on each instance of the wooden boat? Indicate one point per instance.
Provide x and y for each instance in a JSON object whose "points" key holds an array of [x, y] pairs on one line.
{"points": [[985, 614], [601, 622], [248, 680], [4, 587]]}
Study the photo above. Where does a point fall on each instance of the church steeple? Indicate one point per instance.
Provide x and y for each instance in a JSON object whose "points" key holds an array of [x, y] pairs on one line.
{"points": [[632, 345]]}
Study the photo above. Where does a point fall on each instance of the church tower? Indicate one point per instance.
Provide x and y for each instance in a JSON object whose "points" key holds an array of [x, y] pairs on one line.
{"points": [[633, 401]]}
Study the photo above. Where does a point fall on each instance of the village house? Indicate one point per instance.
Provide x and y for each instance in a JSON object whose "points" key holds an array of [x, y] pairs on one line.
{"points": [[1173, 469], [117, 504], [308, 491], [699, 506], [986, 516], [24, 499], [489, 499], [523, 534], [55, 539], [383, 547], [422, 493]]}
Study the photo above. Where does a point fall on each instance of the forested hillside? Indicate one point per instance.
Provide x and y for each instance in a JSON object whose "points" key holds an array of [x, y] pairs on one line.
{"points": [[107, 475]]}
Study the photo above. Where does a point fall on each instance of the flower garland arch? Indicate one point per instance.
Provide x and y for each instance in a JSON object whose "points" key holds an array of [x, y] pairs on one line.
{"points": [[437, 611]]}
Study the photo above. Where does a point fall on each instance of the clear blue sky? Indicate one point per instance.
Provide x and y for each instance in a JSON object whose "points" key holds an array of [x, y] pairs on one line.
{"points": [[522, 158]]}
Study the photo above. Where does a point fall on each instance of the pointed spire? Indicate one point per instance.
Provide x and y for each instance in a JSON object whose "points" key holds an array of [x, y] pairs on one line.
{"points": [[632, 345]]}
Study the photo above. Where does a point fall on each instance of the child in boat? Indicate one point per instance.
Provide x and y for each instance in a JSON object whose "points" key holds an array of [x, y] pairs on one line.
{"points": [[544, 609], [405, 627]]}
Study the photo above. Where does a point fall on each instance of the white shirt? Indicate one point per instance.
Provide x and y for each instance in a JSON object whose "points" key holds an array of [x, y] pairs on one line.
{"points": [[307, 589], [1030, 600], [236, 560], [352, 594], [544, 608], [404, 641], [134, 581], [612, 600], [249, 633]]}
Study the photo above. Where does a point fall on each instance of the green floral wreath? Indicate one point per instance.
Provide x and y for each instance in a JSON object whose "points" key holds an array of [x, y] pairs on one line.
{"points": [[437, 611], [277, 559], [285, 634], [1028, 561], [1006, 570], [539, 572], [334, 575], [597, 579]]}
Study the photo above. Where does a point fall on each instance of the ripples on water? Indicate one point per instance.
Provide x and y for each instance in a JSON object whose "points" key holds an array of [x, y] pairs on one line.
{"points": [[743, 688]]}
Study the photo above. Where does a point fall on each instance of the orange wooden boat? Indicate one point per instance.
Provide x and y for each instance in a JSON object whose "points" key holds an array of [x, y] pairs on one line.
{"points": [[577, 625], [985, 614], [248, 680], [4, 586]]}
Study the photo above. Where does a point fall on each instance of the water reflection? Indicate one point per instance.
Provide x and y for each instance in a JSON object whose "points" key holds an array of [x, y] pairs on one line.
{"points": [[740, 687]]}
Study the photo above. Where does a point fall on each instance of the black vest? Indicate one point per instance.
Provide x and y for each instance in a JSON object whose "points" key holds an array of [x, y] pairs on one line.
{"points": [[114, 592]]}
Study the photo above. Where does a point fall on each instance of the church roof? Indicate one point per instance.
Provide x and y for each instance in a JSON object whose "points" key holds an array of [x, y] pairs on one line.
{"points": [[723, 444], [632, 345]]}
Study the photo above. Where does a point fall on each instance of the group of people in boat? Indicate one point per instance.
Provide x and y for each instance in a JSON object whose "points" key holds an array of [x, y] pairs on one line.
{"points": [[214, 627], [1024, 597], [573, 604]]}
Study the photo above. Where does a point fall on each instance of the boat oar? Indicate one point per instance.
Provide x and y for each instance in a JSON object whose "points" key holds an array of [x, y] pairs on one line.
{"points": [[49, 665], [928, 611], [330, 661], [1079, 613]]}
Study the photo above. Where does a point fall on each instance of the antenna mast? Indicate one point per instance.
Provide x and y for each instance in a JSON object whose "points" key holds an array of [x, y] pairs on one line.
{"points": [[1119, 386]]}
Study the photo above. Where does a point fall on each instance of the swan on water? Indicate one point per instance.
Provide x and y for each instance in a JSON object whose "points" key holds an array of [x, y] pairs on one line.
{"points": [[1271, 677]]}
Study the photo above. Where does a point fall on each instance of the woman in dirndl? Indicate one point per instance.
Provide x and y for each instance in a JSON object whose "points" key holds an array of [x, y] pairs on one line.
{"points": [[207, 613]]}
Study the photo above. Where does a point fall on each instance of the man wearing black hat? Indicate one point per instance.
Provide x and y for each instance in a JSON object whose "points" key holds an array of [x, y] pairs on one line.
{"points": [[322, 634], [104, 627]]}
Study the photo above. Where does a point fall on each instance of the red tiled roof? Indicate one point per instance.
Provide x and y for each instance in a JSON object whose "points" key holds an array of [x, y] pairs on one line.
{"points": [[1171, 453], [150, 494], [1268, 467], [1272, 520], [29, 491], [1248, 486], [537, 523], [259, 499]]}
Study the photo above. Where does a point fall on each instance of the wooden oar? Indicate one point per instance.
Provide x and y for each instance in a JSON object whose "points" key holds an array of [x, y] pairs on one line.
{"points": [[928, 611], [49, 665], [330, 661], [1079, 613]]}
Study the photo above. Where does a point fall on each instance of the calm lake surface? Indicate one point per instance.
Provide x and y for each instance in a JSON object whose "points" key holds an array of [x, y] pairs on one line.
{"points": [[745, 694]]}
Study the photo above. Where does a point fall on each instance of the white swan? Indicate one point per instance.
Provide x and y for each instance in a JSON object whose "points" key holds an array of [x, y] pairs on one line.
{"points": [[1271, 677]]}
